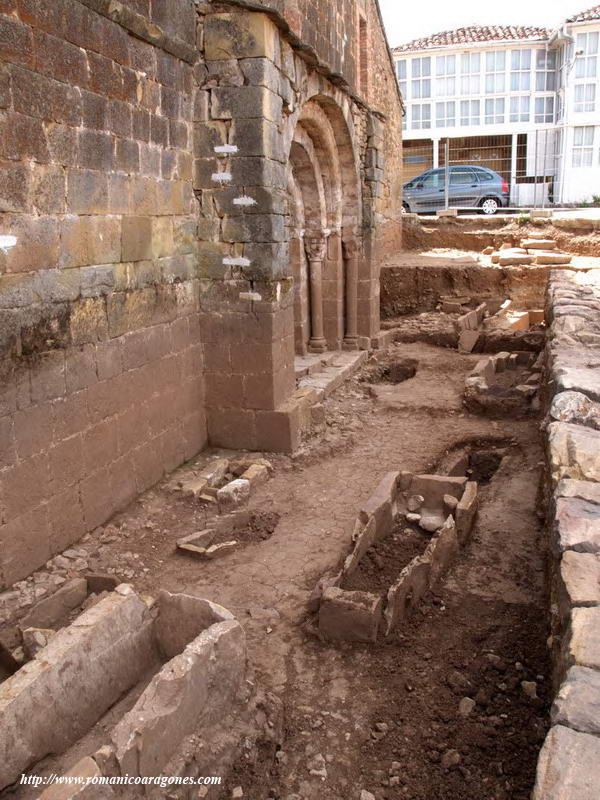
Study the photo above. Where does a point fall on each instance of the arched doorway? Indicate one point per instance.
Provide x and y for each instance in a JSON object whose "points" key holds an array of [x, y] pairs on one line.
{"points": [[325, 219]]}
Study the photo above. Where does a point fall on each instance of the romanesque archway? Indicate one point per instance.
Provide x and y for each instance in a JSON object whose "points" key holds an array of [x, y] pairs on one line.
{"points": [[325, 219]]}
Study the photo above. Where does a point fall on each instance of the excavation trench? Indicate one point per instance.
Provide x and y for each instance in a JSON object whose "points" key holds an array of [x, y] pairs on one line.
{"points": [[454, 703], [444, 707]]}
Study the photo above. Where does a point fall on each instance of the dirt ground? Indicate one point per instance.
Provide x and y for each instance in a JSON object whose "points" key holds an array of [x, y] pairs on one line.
{"points": [[384, 718]]}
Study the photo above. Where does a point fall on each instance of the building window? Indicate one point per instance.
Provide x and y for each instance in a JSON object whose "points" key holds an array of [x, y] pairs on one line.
{"points": [[586, 61], [401, 72], [520, 70], [469, 112], [585, 97], [363, 42], [545, 71], [520, 108], [544, 109], [495, 68], [583, 146], [445, 76], [421, 115], [445, 115], [421, 77], [494, 111], [470, 73]]}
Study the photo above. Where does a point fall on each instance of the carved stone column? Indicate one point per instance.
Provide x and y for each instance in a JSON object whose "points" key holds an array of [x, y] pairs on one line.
{"points": [[351, 248], [316, 251]]}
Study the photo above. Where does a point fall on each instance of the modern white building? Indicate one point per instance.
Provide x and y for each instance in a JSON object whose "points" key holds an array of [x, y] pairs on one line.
{"points": [[523, 101]]}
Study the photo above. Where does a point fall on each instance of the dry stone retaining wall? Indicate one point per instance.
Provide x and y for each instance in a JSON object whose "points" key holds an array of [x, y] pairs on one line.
{"points": [[568, 764]]}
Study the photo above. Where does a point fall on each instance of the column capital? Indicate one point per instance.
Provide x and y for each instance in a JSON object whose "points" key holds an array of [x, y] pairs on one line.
{"points": [[315, 244], [351, 246]]}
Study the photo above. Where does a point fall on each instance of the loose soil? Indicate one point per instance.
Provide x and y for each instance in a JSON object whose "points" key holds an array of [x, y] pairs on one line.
{"points": [[257, 526], [382, 564]]}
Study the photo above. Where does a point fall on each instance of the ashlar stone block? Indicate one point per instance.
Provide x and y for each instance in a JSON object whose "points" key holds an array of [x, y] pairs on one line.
{"points": [[239, 35]]}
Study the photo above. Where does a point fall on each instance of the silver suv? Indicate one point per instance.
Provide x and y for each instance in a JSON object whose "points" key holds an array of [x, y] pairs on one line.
{"points": [[470, 187]]}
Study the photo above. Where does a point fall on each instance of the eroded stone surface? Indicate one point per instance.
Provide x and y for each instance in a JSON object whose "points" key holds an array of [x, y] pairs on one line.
{"points": [[574, 452], [577, 704], [578, 581], [576, 525], [192, 688], [234, 494], [582, 645], [575, 407], [567, 767]]}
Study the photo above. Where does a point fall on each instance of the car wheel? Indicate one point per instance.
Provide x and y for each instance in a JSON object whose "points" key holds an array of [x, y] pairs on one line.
{"points": [[489, 205], [405, 208]]}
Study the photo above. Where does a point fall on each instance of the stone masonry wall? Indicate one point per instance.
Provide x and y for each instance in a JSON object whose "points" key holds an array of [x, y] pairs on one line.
{"points": [[259, 85], [146, 294], [102, 388], [568, 764]]}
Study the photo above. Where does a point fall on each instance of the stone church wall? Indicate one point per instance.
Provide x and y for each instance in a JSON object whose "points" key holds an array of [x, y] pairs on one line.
{"points": [[149, 156]]}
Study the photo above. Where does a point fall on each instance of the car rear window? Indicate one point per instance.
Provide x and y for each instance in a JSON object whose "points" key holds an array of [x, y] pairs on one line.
{"points": [[461, 175], [483, 175]]}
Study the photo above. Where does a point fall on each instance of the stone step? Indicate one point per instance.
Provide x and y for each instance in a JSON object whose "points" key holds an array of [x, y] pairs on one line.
{"points": [[538, 244], [331, 376], [312, 363]]}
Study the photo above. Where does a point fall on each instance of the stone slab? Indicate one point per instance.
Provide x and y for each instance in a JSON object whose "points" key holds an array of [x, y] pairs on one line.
{"points": [[407, 592], [486, 369], [191, 690], [577, 704], [441, 551], [467, 341], [349, 616], [568, 766], [365, 539], [382, 505], [538, 244], [183, 617], [52, 609], [466, 512]]}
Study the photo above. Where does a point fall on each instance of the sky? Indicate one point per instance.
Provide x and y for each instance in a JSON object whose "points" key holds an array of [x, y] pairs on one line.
{"points": [[406, 21]]}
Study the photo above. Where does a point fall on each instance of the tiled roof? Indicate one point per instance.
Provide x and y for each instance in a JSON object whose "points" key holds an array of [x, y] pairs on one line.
{"points": [[475, 33], [585, 16]]}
